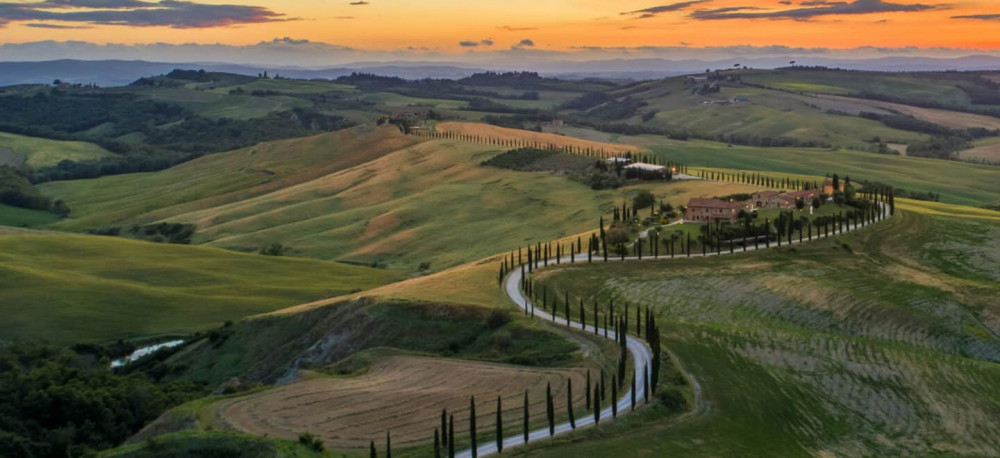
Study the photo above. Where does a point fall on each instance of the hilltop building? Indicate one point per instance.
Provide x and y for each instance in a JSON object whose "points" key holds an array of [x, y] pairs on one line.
{"points": [[711, 210], [828, 186], [784, 200]]}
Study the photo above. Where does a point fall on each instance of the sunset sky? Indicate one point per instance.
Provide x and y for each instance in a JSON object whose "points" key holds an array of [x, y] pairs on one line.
{"points": [[457, 26]]}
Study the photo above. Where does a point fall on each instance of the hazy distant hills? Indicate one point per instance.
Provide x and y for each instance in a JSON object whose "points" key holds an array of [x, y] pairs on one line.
{"points": [[121, 72]]}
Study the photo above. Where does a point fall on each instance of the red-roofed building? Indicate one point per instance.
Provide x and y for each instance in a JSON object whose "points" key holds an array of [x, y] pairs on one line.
{"points": [[710, 210]]}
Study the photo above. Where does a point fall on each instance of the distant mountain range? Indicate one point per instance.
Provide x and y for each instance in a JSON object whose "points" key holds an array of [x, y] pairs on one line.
{"points": [[122, 72]]}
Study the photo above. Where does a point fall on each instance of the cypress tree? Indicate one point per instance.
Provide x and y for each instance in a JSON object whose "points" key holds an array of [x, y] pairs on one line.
{"points": [[388, 445], [437, 444], [371, 450], [527, 417], [499, 426], [444, 426], [633, 393], [587, 391], [472, 425], [597, 405], [603, 391], [451, 436], [614, 398], [645, 383], [550, 412], [569, 403]]}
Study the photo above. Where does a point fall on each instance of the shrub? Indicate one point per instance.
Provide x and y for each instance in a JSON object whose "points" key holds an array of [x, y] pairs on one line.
{"points": [[273, 249], [310, 440], [497, 318], [673, 399]]}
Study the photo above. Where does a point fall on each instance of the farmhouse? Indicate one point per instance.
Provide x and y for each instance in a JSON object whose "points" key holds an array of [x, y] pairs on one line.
{"points": [[644, 171], [647, 167], [771, 199], [774, 199], [828, 186], [710, 210], [806, 195]]}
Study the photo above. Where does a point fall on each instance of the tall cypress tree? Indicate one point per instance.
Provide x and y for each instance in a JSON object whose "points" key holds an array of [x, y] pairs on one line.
{"points": [[633, 393], [603, 390], [472, 425], [569, 403], [444, 426], [587, 393], [527, 417], [614, 398], [371, 450], [499, 425], [597, 405], [388, 445], [550, 412], [451, 436], [645, 383], [437, 444]]}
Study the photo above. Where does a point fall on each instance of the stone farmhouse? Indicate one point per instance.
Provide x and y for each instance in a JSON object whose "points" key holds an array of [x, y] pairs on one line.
{"points": [[711, 210], [785, 200]]}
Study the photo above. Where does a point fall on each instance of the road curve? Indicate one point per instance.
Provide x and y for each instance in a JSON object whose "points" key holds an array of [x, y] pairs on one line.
{"points": [[641, 353]]}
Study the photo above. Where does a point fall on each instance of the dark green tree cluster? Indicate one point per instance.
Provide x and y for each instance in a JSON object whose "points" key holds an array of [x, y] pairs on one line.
{"points": [[55, 402]]}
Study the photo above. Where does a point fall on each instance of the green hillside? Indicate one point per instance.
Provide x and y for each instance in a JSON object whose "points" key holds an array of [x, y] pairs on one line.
{"points": [[70, 288], [367, 195], [42, 152], [760, 114], [957, 182], [868, 344]]}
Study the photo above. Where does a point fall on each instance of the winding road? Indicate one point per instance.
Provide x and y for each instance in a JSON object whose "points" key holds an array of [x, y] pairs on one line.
{"points": [[641, 353]]}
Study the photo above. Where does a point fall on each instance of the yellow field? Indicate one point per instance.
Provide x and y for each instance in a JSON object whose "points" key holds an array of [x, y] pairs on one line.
{"points": [[937, 208], [488, 130], [947, 118], [401, 394]]}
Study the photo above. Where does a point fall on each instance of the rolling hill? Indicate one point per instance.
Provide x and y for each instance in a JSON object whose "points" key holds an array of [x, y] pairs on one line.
{"points": [[42, 152], [368, 195], [68, 288]]}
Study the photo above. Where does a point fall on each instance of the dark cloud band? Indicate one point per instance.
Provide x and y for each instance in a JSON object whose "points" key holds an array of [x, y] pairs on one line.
{"points": [[136, 13]]}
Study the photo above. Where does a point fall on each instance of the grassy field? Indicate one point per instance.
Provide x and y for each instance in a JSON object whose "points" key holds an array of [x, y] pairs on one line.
{"points": [[904, 86], [886, 341], [947, 118], [768, 113], [23, 217], [42, 152], [957, 182], [71, 288], [377, 198]]}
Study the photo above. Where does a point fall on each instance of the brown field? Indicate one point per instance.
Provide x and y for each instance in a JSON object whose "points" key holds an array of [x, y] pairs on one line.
{"points": [[952, 119], [527, 135], [401, 394], [900, 148], [987, 152]]}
